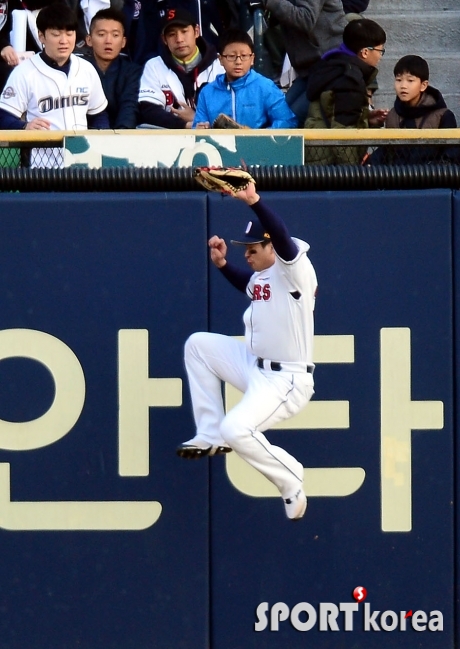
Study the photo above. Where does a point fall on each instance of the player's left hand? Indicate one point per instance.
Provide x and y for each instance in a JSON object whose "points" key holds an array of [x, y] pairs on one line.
{"points": [[249, 195]]}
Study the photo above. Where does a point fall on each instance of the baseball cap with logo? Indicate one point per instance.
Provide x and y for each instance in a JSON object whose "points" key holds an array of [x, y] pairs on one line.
{"points": [[177, 16], [255, 233]]}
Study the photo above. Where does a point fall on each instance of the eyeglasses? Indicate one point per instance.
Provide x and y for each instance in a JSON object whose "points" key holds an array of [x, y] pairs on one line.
{"points": [[376, 49], [234, 57]]}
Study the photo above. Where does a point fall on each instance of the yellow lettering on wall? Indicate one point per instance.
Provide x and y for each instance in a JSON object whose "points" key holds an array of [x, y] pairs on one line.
{"points": [[69, 383], [73, 515], [399, 416], [331, 481], [136, 394]]}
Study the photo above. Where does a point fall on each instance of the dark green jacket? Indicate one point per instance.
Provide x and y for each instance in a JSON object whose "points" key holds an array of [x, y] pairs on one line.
{"points": [[337, 91]]}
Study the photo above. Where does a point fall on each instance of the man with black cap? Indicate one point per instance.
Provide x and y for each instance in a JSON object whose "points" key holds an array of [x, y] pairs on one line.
{"points": [[273, 367], [170, 82]]}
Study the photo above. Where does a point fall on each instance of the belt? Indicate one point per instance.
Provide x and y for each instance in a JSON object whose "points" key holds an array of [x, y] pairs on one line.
{"points": [[276, 366]]}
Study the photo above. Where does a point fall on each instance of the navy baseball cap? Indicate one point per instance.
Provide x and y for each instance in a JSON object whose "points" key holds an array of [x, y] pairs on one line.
{"points": [[177, 16], [255, 233]]}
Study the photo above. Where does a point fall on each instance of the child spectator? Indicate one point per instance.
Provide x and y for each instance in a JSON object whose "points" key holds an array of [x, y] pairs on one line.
{"points": [[119, 76], [243, 94], [417, 105], [338, 89]]}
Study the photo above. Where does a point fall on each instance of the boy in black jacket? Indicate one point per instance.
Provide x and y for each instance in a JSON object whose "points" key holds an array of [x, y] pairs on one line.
{"points": [[417, 105]]}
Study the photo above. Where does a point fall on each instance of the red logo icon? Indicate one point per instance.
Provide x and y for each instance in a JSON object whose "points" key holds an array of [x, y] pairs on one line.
{"points": [[360, 594]]}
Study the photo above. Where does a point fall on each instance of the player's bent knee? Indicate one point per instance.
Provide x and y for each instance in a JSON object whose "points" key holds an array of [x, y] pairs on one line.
{"points": [[194, 342], [232, 431]]}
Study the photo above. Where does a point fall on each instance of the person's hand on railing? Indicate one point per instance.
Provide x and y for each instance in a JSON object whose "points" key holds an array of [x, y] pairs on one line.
{"points": [[38, 124]]}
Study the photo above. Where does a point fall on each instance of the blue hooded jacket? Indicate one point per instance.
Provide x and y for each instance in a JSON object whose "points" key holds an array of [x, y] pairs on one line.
{"points": [[253, 100]]}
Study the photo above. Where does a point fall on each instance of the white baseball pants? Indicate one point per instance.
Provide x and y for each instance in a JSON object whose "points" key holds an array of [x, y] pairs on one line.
{"points": [[268, 398]]}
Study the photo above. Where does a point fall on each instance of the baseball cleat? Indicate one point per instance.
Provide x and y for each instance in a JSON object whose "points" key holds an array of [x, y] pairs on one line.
{"points": [[195, 448], [296, 505]]}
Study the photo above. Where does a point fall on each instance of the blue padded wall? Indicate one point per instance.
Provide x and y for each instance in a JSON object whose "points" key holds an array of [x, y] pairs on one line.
{"points": [[82, 268], [383, 261]]}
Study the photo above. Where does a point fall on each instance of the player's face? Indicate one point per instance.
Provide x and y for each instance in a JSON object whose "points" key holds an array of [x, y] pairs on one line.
{"points": [[181, 41], [409, 88], [259, 257], [107, 39], [243, 59], [58, 44]]}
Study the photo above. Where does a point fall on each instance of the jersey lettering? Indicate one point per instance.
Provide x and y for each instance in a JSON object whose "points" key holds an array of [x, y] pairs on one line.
{"points": [[262, 293], [46, 104]]}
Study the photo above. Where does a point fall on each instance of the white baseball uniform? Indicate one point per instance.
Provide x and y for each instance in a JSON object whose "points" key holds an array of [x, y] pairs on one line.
{"points": [[273, 369], [35, 89]]}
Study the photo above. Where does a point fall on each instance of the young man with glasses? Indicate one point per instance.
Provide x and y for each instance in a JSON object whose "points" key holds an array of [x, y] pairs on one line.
{"points": [[242, 94], [170, 82], [338, 89]]}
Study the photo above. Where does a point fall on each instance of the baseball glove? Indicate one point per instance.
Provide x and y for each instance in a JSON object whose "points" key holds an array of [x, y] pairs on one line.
{"points": [[224, 121], [225, 180]]}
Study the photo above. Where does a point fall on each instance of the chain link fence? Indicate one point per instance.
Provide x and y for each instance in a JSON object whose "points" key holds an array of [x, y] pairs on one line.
{"points": [[46, 155], [395, 153]]}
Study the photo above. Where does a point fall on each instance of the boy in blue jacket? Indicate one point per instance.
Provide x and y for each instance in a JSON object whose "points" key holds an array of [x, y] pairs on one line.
{"points": [[244, 95]]}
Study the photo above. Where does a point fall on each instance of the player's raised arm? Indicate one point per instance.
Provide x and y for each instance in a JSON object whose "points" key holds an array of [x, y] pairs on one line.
{"points": [[274, 224], [239, 184], [238, 277]]}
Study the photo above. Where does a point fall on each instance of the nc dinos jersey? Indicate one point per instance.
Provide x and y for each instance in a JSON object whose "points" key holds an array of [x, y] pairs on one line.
{"points": [[34, 89]]}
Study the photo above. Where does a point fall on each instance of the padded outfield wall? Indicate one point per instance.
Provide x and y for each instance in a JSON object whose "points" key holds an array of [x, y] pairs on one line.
{"points": [[109, 541]]}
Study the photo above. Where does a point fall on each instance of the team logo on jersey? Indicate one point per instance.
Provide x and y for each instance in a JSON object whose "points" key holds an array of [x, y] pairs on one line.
{"points": [[8, 93], [262, 293], [46, 104]]}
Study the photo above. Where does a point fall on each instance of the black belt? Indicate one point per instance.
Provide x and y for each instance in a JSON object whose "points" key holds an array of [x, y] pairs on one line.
{"points": [[276, 366]]}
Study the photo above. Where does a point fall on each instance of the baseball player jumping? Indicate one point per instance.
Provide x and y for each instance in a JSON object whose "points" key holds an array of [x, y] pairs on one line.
{"points": [[273, 367]]}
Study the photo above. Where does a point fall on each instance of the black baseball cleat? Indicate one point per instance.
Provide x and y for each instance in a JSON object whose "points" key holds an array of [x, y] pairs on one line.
{"points": [[195, 448]]}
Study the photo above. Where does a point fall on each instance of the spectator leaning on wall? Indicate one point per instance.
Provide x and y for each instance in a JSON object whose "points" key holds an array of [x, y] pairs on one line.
{"points": [[170, 82], [242, 93], [338, 89], [417, 105], [55, 89]]}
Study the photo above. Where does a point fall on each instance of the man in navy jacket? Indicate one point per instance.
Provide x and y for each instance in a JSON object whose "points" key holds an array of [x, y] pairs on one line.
{"points": [[120, 77]]}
